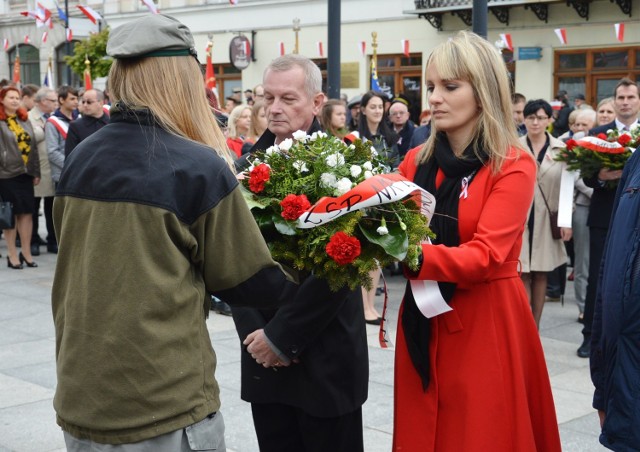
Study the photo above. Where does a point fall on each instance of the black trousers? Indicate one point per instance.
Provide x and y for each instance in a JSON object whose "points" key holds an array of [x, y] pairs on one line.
{"points": [[283, 428], [597, 237], [48, 216]]}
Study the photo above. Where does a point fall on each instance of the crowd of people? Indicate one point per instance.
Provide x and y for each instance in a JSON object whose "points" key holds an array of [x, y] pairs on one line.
{"points": [[141, 161]]}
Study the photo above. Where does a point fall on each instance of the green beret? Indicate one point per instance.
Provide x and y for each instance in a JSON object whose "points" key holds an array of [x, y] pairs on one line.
{"points": [[153, 35]]}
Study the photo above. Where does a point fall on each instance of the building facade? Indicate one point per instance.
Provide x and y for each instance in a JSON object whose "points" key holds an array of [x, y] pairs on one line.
{"points": [[590, 62]]}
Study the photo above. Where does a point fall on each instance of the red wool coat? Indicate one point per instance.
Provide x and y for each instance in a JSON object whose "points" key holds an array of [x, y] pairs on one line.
{"points": [[489, 388]]}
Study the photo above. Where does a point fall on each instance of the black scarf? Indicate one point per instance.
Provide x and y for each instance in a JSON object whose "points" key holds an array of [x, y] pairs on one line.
{"points": [[417, 328]]}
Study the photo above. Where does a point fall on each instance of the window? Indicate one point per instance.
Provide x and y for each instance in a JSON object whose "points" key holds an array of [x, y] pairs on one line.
{"points": [[63, 73], [227, 78], [595, 72], [29, 63], [399, 74]]}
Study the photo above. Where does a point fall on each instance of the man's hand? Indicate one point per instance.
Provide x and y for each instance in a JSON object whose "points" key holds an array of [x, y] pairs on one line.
{"points": [[566, 234], [260, 350], [609, 174], [36, 180]]}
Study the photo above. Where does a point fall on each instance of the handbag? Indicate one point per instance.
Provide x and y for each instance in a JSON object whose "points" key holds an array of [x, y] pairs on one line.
{"points": [[553, 218], [7, 220]]}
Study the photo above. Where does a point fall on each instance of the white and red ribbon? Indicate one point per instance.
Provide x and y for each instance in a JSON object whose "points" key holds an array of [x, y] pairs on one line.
{"points": [[362, 47], [320, 49], [69, 34], [375, 191], [5, 44], [45, 35], [153, 9]]}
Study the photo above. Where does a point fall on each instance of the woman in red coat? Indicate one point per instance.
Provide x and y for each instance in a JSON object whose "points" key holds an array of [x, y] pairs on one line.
{"points": [[474, 378]]}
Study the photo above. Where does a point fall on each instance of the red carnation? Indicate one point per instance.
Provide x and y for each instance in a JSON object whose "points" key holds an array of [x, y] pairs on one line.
{"points": [[258, 176], [624, 139], [602, 136], [293, 206], [342, 248], [571, 144]]}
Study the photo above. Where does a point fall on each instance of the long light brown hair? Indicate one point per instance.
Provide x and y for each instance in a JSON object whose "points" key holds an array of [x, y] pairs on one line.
{"points": [[175, 95], [470, 58]]}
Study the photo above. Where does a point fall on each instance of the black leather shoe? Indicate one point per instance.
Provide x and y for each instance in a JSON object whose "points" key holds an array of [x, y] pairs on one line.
{"points": [[584, 351], [15, 267], [35, 250], [373, 322], [52, 248], [26, 262]]}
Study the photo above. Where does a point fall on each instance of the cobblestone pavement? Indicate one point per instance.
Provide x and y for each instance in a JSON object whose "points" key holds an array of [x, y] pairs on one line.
{"points": [[28, 379]]}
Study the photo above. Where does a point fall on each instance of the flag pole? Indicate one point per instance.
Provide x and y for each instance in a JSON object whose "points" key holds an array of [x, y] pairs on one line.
{"points": [[67, 46]]}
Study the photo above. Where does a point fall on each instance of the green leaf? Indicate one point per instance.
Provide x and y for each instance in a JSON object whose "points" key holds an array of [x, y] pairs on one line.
{"points": [[395, 243], [252, 201], [283, 226]]}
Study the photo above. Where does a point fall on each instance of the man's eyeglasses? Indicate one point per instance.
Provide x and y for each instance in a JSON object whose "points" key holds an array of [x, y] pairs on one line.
{"points": [[533, 118], [88, 102]]}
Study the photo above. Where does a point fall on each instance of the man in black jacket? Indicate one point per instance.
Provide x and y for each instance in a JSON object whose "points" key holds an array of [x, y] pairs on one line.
{"points": [[626, 105], [93, 119], [305, 367]]}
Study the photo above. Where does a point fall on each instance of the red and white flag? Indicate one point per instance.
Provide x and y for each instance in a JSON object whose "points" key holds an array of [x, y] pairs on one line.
{"points": [[320, 49], [561, 33], [34, 15], [363, 48], [233, 2], [506, 40], [152, 6], [27, 40], [5, 44], [619, 31], [69, 35], [91, 14], [45, 35], [405, 47], [45, 14], [281, 48]]}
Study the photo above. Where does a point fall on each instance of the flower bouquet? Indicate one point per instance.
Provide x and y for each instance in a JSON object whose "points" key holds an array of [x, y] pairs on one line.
{"points": [[590, 154], [330, 208]]}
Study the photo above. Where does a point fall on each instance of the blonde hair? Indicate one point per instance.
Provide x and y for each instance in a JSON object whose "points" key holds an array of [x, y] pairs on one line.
{"points": [[233, 118], [470, 58], [254, 133], [175, 96]]}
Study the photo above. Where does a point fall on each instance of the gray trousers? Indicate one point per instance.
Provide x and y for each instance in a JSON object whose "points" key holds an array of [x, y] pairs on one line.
{"points": [[206, 435], [581, 253]]}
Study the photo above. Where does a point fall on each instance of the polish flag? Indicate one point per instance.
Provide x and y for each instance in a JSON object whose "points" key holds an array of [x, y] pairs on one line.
{"points": [[405, 47], [281, 48], [506, 40], [69, 35], [34, 15], [619, 31], [320, 49], [45, 14], [561, 33], [27, 40], [5, 44], [44, 36], [363, 48], [91, 14], [152, 6], [233, 2]]}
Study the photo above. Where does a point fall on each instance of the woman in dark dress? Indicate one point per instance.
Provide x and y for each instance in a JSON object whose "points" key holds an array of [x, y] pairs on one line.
{"points": [[19, 172]]}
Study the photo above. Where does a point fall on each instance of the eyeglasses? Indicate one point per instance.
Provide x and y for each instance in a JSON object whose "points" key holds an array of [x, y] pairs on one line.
{"points": [[533, 118], [88, 102]]}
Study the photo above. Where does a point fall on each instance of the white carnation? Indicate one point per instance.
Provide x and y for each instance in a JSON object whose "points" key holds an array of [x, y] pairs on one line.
{"points": [[335, 160], [609, 131], [286, 144], [368, 174], [271, 150], [382, 230], [300, 166], [367, 166], [355, 170], [343, 186], [328, 180], [300, 135], [314, 136], [322, 135], [374, 153]]}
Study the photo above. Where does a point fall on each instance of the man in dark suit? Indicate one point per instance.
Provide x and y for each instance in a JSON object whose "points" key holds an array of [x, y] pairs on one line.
{"points": [[93, 119], [305, 367], [626, 105]]}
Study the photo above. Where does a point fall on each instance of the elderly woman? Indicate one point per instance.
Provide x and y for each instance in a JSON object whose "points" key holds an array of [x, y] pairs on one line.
{"points": [[19, 172], [541, 253]]}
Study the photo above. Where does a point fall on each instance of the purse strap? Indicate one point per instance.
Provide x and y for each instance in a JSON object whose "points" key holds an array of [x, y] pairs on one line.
{"points": [[544, 198]]}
